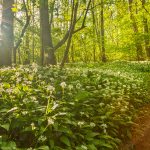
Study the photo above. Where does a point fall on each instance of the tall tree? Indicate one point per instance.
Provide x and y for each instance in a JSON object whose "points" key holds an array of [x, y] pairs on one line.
{"points": [[46, 31], [146, 32], [94, 30], [7, 41], [72, 27], [46, 39], [138, 45], [24, 29], [103, 55]]}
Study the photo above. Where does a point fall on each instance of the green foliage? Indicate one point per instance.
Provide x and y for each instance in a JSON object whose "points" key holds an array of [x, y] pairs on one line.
{"points": [[82, 107]]}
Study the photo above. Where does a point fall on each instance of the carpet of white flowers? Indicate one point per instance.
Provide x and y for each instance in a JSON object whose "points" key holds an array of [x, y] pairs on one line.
{"points": [[81, 107]]}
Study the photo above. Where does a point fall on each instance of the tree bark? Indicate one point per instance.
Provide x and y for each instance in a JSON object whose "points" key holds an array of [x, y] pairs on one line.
{"points": [[94, 32], [72, 27], [96, 27], [72, 30], [46, 41], [103, 55], [23, 31], [7, 41], [146, 32], [139, 49], [33, 33]]}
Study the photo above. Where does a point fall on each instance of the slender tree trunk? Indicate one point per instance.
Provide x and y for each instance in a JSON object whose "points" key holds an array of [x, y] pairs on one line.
{"points": [[33, 34], [139, 49], [19, 56], [27, 49], [146, 32], [72, 52], [94, 26], [24, 28], [103, 55], [72, 27], [7, 43], [14, 50], [147, 42]]}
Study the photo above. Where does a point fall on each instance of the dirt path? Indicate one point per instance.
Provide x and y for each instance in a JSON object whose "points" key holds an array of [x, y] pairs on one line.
{"points": [[140, 131]]}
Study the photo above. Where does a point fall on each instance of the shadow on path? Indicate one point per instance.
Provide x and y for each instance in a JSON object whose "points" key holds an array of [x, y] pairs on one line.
{"points": [[140, 131]]}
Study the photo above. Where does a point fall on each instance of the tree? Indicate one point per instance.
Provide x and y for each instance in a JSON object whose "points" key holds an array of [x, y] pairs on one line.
{"points": [[146, 32], [46, 39], [46, 31], [103, 56], [72, 27], [7, 41], [138, 45], [19, 41]]}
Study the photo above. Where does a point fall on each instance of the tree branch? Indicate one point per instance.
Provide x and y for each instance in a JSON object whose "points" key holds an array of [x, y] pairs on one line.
{"points": [[145, 8], [73, 23], [84, 19], [64, 39], [51, 21], [24, 28]]}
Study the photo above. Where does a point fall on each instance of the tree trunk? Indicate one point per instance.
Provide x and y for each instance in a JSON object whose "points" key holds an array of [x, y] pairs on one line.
{"points": [[27, 49], [23, 30], [72, 52], [46, 41], [33, 34], [94, 32], [7, 41], [103, 55], [72, 27], [139, 49], [146, 32], [96, 27]]}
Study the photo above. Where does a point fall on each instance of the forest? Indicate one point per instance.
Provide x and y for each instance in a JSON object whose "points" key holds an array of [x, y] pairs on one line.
{"points": [[75, 74]]}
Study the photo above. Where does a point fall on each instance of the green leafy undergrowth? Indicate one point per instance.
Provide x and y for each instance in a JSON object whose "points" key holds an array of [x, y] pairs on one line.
{"points": [[77, 108]]}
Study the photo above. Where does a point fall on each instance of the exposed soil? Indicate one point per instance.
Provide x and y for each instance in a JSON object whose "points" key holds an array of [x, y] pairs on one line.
{"points": [[140, 131]]}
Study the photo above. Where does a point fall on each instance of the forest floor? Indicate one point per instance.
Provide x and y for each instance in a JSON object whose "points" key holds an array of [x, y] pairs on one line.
{"points": [[140, 131], [82, 107]]}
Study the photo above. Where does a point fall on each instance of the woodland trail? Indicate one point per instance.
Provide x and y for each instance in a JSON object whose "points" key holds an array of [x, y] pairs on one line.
{"points": [[140, 131]]}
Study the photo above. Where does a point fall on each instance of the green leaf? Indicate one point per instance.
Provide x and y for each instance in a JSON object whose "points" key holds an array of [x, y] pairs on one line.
{"points": [[14, 9], [82, 95], [129, 135], [8, 146], [104, 144], [92, 147], [5, 126], [43, 148], [52, 143], [6, 85], [65, 140], [92, 134], [64, 130]]}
